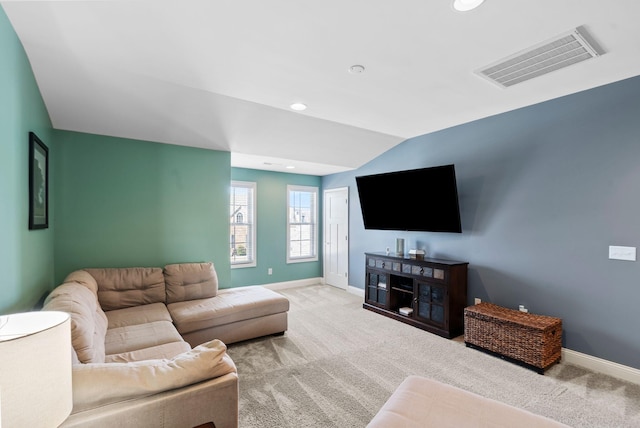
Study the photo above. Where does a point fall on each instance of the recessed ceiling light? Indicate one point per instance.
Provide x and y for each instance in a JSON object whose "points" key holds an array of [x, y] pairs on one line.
{"points": [[356, 69], [466, 5], [298, 106], [290, 167]]}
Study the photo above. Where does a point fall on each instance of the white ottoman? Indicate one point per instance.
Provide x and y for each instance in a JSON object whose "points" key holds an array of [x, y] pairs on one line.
{"points": [[421, 402]]}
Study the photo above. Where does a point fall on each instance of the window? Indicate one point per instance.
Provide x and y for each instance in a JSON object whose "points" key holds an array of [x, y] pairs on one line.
{"points": [[242, 224], [302, 228]]}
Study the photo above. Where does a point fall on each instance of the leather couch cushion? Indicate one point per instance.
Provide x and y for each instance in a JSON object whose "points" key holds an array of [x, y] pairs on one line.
{"points": [[165, 350], [127, 287], [88, 321], [138, 315], [135, 337], [190, 281], [95, 385], [230, 305]]}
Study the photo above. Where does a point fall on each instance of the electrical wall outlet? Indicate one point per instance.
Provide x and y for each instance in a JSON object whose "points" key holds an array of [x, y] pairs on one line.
{"points": [[622, 253], [270, 271], [477, 300]]}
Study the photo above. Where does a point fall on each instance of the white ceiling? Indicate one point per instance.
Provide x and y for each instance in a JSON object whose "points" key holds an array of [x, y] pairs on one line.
{"points": [[221, 74]]}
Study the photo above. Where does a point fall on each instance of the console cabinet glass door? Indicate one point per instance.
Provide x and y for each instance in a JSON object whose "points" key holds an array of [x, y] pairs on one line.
{"points": [[431, 303], [376, 288]]}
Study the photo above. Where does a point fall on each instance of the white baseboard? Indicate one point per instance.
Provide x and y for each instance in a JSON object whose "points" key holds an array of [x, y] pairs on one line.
{"points": [[293, 284], [355, 290], [599, 365], [309, 281]]}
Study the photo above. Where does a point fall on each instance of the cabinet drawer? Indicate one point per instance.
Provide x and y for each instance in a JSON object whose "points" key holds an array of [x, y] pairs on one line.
{"points": [[422, 271], [383, 264]]}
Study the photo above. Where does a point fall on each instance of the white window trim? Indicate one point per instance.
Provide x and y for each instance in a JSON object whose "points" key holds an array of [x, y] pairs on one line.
{"points": [[315, 190], [254, 247]]}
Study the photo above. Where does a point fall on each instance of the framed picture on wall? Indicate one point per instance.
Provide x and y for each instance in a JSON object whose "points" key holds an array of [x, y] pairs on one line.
{"points": [[38, 183]]}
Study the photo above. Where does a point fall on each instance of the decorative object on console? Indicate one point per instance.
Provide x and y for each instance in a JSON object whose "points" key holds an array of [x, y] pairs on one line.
{"points": [[416, 254], [35, 374], [399, 247]]}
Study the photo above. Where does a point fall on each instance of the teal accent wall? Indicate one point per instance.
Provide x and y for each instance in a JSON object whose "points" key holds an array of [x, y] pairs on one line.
{"points": [[124, 203], [272, 229], [26, 256]]}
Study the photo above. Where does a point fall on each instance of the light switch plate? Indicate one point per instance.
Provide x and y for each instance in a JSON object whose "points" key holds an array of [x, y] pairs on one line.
{"points": [[622, 253]]}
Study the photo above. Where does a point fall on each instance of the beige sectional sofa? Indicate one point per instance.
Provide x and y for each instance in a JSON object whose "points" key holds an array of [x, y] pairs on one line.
{"points": [[149, 344]]}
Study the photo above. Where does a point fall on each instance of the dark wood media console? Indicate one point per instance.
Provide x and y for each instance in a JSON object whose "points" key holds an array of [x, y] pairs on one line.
{"points": [[434, 291]]}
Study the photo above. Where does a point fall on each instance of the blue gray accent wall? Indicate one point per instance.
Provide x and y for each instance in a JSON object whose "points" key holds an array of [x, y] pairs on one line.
{"points": [[544, 190]]}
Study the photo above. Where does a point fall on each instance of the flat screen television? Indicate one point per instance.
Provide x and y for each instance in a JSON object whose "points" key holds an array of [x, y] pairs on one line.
{"points": [[424, 200]]}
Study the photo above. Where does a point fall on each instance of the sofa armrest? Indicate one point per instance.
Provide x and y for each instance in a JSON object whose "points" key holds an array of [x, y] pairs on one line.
{"points": [[96, 385], [214, 400]]}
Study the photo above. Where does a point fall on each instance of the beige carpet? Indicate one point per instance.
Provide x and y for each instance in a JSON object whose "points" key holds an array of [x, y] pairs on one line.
{"points": [[338, 363]]}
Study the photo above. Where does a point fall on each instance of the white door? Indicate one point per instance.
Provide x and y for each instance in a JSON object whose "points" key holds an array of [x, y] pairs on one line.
{"points": [[336, 237]]}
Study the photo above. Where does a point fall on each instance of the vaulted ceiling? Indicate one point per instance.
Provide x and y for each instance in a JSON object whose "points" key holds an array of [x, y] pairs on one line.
{"points": [[221, 74]]}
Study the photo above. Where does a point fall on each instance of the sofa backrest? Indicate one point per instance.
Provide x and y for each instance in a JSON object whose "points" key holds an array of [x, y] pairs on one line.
{"points": [[77, 296], [120, 288], [190, 281]]}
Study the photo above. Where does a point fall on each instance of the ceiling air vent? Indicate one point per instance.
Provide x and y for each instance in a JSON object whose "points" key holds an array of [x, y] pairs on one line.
{"points": [[560, 52]]}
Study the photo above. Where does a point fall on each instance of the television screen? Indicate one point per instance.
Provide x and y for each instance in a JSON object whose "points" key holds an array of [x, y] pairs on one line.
{"points": [[423, 200]]}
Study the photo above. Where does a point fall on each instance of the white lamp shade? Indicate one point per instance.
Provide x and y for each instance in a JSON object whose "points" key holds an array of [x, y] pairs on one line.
{"points": [[35, 369]]}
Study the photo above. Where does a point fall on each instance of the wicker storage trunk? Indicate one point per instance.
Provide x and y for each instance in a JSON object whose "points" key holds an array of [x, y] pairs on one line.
{"points": [[534, 341]]}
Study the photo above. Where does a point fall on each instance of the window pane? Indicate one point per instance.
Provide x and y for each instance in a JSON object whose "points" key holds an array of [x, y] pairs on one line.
{"points": [[305, 232], [302, 231], [241, 218]]}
